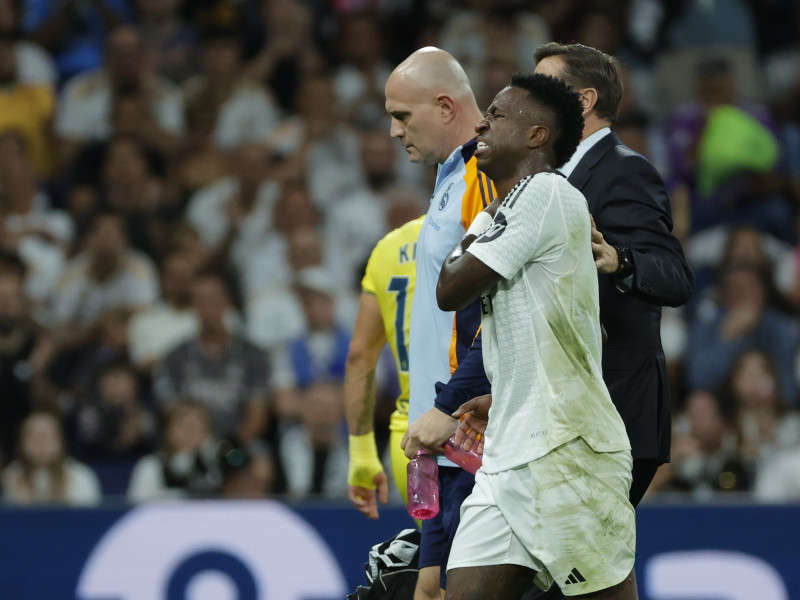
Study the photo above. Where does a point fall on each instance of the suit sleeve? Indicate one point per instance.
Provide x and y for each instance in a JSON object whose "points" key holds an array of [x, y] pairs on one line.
{"points": [[635, 212], [467, 381]]}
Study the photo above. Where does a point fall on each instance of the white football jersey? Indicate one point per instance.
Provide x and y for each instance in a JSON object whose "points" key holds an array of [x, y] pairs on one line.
{"points": [[541, 328]]}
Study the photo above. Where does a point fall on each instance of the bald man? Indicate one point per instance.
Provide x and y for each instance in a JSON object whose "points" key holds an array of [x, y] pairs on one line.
{"points": [[434, 113]]}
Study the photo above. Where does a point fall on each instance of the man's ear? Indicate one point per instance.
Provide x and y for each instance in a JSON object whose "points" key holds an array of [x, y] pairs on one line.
{"points": [[446, 107], [538, 135], [588, 100]]}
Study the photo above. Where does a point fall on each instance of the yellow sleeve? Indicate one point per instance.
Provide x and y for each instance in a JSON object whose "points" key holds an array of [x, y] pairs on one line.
{"points": [[368, 283]]}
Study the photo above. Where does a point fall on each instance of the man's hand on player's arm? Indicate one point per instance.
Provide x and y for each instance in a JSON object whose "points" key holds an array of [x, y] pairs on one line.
{"points": [[429, 432], [605, 255], [367, 481], [473, 417]]}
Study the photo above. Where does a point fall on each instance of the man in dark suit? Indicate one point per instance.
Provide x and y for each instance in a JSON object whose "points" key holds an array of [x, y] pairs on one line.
{"points": [[641, 264]]}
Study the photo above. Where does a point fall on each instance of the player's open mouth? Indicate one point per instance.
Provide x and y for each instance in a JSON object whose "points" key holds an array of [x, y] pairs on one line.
{"points": [[481, 147]]}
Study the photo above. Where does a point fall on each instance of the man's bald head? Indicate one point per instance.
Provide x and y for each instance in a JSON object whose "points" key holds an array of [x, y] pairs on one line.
{"points": [[433, 71], [432, 105]]}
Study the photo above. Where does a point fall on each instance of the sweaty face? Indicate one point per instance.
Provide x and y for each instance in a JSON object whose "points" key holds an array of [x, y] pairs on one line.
{"points": [[414, 121], [503, 133]]}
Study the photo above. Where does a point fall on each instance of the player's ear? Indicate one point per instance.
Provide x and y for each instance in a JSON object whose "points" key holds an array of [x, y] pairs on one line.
{"points": [[538, 135], [446, 107]]}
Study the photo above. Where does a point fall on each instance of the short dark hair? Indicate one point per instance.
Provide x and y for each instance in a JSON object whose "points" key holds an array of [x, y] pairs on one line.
{"points": [[564, 103], [586, 67]]}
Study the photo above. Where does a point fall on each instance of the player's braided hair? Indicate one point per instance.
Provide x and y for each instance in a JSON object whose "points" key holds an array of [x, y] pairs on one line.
{"points": [[564, 103]]}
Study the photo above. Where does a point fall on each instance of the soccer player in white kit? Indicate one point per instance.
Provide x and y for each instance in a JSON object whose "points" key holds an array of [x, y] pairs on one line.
{"points": [[550, 503]]}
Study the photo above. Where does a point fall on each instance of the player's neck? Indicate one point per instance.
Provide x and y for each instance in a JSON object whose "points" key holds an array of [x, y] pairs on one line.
{"points": [[505, 184]]}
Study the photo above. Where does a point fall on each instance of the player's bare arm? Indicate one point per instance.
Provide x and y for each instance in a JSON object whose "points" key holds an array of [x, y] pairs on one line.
{"points": [[367, 481], [463, 277]]}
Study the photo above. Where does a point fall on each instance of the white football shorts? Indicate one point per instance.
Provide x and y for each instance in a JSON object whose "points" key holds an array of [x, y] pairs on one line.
{"points": [[566, 516]]}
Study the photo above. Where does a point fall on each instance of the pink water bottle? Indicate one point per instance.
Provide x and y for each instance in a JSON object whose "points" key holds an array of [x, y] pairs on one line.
{"points": [[423, 486], [467, 460]]}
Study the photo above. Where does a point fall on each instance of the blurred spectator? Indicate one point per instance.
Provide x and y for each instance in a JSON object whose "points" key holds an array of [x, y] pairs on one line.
{"points": [[745, 245], [29, 227], [289, 53], [107, 274], [320, 352], [170, 41], [480, 30], [405, 204], [271, 264], [84, 182], [314, 451], [645, 134], [154, 109], [74, 31], [360, 77], [187, 464], [111, 421], [72, 357], [220, 370], [316, 145], [739, 320], [34, 64], [359, 218], [185, 240], [155, 331], [233, 214], [199, 162], [243, 110], [764, 424], [18, 336], [705, 454], [244, 474], [42, 472], [699, 23], [274, 314], [129, 188], [724, 150], [26, 109]]}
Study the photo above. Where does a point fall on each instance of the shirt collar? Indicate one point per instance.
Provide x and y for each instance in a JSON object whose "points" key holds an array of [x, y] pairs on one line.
{"points": [[459, 156], [585, 145]]}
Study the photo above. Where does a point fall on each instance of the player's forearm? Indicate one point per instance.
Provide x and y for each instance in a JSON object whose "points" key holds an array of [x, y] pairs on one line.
{"points": [[449, 294], [463, 277], [359, 398]]}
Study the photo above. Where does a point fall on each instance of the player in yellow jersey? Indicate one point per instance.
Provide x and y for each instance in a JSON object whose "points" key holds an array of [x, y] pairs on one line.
{"points": [[383, 316]]}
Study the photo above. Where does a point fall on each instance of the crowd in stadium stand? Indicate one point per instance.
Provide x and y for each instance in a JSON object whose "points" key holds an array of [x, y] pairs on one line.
{"points": [[189, 191]]}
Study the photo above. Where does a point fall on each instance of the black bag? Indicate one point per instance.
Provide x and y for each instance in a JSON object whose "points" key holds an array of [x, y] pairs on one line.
{"points": [[392, 569]]}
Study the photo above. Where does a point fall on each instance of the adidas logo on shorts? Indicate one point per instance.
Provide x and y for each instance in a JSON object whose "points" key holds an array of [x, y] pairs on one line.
{"points": [[575, 577]]}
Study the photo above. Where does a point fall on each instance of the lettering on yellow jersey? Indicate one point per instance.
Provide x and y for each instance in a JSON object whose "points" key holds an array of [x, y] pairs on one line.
{"points": [[407, 253], [486, 305]]}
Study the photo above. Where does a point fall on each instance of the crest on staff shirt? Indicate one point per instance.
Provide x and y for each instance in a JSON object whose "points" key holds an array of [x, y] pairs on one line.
{"points": [[445, 197]]}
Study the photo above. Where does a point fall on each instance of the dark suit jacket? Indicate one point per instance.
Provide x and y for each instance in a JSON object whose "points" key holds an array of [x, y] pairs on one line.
{"points": [[630, 206]]}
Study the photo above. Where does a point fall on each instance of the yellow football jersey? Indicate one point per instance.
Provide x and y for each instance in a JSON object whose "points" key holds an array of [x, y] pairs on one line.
{"points": [[390, 276]]}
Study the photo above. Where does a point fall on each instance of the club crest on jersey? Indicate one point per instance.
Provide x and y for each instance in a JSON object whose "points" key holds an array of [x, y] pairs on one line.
{"points": [[495, 231], [445, 197]]}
